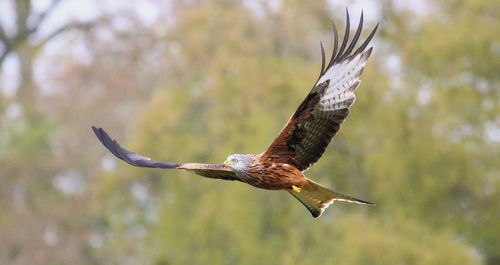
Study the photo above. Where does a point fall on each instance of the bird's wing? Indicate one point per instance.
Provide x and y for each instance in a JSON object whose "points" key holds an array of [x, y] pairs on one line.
{"points": [[308, 132], [214, 171]]}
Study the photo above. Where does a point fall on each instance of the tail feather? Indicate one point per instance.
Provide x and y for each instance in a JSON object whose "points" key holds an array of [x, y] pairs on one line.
{"points": [[316, 197]]}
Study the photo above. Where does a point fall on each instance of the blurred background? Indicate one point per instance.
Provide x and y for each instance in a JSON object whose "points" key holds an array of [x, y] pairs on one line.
{"points": [[196, 80]]}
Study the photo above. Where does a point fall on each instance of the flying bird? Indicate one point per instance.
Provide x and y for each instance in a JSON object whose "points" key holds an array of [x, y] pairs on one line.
{"points": [[301, 142]]}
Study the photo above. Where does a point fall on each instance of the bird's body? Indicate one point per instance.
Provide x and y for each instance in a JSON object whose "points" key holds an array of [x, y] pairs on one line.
{"points": [[269, 175], [301, 142]]}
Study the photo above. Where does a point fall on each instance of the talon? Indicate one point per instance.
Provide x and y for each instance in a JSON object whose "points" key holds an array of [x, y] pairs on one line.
{"points": [[296, 189]]}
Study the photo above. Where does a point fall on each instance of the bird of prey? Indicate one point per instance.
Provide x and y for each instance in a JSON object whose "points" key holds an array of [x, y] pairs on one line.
{"points": [[301, 142]]}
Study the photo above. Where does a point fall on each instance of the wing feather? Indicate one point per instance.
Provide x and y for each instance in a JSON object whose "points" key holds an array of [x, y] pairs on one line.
{"points": [[346, 36], [215, 171], [309, 131]]}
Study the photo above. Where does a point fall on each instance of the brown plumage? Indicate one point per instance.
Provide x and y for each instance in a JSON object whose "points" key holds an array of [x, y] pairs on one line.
{"points": [[301, 142]]}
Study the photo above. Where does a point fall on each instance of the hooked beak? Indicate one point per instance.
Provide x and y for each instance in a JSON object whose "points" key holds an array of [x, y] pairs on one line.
{"points": [[227, 163]]}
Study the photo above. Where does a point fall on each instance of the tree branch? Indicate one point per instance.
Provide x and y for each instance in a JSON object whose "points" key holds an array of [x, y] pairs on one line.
{"points": [[74, 26], [23, 11], [3, 36], [6, 45], [3, 55], [42, 16]]}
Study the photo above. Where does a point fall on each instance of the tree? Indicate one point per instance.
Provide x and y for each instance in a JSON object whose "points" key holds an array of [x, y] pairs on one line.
{"points": [[24, 43], [34, 214]]}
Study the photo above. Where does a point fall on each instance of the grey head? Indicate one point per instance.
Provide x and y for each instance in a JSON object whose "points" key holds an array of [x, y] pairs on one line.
{"points": [[239, 162]]}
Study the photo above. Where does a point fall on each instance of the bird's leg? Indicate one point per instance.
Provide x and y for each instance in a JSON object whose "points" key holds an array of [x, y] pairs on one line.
{"points": [[296, 189]]}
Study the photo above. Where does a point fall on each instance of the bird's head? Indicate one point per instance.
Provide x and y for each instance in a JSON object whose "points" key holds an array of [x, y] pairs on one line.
{"points": [[238, 162]]}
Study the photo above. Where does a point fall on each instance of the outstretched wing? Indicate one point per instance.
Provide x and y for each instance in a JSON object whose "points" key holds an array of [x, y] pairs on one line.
{"points": [[214, 171], [308, 132]]}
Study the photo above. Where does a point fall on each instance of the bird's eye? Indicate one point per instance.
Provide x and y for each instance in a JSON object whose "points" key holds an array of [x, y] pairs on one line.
{"points": [[234, 160]]}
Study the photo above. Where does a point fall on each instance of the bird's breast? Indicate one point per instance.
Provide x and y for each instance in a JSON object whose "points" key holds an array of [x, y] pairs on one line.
{"points": [[272, 176]]}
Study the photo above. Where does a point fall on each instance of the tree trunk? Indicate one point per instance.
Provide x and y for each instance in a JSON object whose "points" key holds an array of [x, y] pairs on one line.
{"points": [[26, 92]]}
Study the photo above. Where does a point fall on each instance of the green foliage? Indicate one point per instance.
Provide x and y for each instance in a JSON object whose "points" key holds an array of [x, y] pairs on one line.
{"points": [[397, 240]]}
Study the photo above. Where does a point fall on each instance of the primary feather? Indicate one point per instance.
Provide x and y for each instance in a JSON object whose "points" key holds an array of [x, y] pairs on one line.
{"points": [[216, 171], [309, 131]]}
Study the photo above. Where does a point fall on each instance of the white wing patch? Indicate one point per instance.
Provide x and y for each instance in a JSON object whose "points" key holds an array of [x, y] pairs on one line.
{"points": [[344, 79]]}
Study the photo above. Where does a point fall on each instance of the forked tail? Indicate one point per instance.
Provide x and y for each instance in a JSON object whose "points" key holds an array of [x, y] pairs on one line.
{"points": [[317, 197]]}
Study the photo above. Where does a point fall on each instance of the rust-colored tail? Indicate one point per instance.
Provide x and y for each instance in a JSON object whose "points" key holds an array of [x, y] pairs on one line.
{"points": [[316, 197]]}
